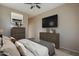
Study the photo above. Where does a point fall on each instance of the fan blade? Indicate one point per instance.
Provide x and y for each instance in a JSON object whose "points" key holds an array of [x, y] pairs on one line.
{"points": [[38, 6], [36, 3], [31, 7]]}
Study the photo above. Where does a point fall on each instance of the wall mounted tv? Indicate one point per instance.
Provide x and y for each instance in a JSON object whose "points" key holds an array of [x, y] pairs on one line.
{"points": [[50, 22]]}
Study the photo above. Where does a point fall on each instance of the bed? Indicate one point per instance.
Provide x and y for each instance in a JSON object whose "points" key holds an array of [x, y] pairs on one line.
{"points": [[43, 41], [50, 46], [26, 47]]}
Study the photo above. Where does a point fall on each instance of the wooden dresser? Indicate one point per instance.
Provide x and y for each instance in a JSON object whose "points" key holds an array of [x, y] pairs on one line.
{"points": [[18, 32], [50, 37]]}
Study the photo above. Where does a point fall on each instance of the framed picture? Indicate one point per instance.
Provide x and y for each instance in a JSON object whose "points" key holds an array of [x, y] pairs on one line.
{"points": [[16, 19]]}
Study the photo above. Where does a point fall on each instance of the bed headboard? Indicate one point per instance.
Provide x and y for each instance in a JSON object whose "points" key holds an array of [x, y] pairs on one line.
{"points": [[50, 37]]}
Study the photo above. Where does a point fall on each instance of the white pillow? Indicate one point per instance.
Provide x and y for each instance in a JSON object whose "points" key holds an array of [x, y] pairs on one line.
{"points": [[23, 51], [10, 48]]}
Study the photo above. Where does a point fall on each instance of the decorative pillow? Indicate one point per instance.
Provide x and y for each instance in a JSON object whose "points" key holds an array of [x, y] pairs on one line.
{"points": [[13, 39], [9, 48], [23, 51]]}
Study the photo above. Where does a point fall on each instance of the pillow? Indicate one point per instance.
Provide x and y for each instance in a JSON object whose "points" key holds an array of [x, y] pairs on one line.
{"points": [[23, 51], [9, 47], [13, 39]]}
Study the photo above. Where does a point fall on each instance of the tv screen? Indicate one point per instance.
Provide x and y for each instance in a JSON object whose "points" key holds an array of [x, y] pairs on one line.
{"points": [[50, 22]]}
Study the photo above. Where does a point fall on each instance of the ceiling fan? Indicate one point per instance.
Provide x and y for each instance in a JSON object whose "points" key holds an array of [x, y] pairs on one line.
{"points": [[34, 5]]}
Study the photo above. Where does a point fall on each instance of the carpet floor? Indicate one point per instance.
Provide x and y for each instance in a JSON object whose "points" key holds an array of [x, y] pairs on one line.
{"points": [[59, 52]]}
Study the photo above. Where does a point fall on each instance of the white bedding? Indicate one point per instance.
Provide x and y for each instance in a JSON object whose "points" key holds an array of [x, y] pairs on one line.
{"points": [[9, 48], [35, 48], [23, 51]]}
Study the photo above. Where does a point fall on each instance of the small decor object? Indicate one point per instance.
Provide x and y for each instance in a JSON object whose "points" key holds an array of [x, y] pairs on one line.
{"points": [[16, 24], [53, 30], [13, 39]]}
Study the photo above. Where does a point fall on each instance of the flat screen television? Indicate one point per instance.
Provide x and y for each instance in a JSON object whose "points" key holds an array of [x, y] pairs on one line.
{"points": [[50, 22]]}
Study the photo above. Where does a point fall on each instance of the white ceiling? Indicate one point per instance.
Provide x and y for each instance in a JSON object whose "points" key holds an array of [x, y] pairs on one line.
{"points": [[32, 12]]}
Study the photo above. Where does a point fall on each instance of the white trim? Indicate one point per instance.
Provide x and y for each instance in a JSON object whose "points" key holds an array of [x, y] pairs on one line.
{"points": [[70, 50]]}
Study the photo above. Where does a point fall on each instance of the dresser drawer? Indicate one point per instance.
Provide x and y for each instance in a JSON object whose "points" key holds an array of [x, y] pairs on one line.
{"points": [[19, 36], [18, 32], [51, 37]]}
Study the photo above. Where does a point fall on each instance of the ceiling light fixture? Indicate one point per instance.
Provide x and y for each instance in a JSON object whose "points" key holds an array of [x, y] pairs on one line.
{"points": [[33, 5]]}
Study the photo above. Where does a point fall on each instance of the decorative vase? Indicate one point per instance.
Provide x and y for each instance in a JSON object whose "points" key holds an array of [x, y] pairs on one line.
{"points": [[53, 30]]}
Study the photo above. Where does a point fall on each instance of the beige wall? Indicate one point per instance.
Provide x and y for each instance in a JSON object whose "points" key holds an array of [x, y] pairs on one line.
{"points": [[5, 19], [68, 25]]}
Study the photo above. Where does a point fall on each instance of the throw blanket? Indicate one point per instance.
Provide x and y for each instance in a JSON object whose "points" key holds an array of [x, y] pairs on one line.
{"points": [[49, 45]]}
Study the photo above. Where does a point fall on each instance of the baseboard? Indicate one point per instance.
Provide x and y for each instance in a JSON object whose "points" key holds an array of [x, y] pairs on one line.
{"points": [[70, 50]]}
